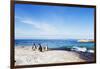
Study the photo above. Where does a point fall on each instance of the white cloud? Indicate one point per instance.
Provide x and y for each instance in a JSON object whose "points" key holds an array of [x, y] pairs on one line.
{"points": [[43, 27]]}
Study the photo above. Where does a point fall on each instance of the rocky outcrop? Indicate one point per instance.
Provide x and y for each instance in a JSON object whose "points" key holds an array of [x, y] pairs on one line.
{"points": [[85, 40]]}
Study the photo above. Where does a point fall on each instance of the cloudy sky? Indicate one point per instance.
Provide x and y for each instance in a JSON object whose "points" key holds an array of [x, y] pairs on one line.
{"points": [[53, 22]]}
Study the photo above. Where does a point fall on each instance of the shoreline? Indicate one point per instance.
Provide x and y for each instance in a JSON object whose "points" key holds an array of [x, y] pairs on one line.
{"points": [[24, 55]]}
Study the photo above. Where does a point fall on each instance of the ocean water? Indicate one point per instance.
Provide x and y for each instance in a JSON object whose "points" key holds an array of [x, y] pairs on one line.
{"points": [[54, 43]]}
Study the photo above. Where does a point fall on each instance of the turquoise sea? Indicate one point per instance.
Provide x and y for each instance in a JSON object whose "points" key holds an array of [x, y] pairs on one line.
{"points": [[54, 43]]}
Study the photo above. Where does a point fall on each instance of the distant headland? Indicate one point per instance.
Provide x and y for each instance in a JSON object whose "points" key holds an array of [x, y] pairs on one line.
{"points": [[85, 40]]}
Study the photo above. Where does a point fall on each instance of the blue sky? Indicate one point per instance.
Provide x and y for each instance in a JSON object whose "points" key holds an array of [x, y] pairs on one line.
{"points": [[53, 22]]}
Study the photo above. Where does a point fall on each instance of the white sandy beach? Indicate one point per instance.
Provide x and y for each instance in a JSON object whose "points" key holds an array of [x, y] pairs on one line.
{"points": [[26, 56]]}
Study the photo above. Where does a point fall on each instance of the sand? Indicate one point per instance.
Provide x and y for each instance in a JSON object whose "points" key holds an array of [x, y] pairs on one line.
{"points": [[26, 56]]}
